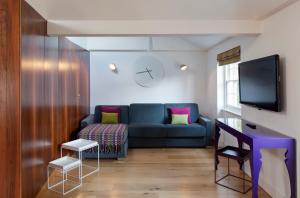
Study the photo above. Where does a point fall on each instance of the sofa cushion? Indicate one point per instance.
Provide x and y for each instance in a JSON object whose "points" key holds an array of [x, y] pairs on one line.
{"points": [[146, 130], [193, 107], [191, 130], [146, 113], [124, 113]]}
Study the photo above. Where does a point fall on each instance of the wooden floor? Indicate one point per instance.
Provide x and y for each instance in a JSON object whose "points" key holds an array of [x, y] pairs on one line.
{"points": [[156, 173]]}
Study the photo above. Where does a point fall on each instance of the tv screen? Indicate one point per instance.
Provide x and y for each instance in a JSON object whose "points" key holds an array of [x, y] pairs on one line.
{"points": [[259, 83]]}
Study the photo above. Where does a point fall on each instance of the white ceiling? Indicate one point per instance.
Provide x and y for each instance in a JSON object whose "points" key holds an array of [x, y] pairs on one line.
{"points": [[157, 9], [206, 42], [166, 43]]}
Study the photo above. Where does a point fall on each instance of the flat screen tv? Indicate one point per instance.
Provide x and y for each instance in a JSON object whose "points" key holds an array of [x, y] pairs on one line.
{"points": [[259, 82]]}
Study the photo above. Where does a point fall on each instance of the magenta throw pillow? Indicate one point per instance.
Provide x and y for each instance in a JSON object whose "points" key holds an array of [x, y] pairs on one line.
{"points": [[180, 111], [112, 109]]}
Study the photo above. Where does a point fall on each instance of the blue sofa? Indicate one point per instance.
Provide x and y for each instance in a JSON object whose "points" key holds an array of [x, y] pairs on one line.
{"points": [[149, 126]]}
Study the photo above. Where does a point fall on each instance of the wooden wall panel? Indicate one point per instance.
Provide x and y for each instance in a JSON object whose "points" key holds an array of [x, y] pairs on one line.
{"points": [[84, 86], [10, 98], [73, 68], [52, 99], [3, 84], [34, 124], [40, 112], [74, 78], [67, 68], [52, 70]]}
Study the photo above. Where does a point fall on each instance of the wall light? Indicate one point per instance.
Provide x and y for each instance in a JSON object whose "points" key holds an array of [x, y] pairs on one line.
{"points": [[183, 67], [113, 67]]}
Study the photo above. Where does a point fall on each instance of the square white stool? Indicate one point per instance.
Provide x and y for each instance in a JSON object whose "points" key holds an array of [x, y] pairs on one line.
{"points": [[64, 164], [79, 146]]}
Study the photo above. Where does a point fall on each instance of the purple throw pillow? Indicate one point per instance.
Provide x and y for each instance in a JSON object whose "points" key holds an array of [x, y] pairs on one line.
{"points": [[112, 109], [180, 111]]}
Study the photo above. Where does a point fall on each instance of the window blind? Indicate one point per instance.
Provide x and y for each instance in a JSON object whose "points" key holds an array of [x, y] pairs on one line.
{"points": [[230, 56]]}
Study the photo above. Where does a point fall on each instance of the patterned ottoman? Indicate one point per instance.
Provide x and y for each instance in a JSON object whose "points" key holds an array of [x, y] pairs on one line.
{"points": [[112, 139]]}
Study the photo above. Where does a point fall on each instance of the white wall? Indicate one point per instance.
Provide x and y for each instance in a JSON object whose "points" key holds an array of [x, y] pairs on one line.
{"points": [[177, 86], [281, 36]]}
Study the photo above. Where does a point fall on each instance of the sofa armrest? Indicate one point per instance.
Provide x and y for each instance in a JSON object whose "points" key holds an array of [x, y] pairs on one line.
{"points": [[87, 121], [207, 123]]}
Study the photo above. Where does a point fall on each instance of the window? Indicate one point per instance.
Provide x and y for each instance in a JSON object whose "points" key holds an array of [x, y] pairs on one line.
{"points": [[231, 87]]}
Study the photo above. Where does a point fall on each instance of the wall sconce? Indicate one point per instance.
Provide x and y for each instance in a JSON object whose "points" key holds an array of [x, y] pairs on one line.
{"points": [[183, 67], [113, 67]]}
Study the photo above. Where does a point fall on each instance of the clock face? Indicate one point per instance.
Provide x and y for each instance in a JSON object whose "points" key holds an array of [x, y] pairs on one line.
{"points": [[148, 71]]}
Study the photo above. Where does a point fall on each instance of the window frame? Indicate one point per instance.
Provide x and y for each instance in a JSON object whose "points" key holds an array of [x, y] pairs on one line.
{"points": [[227, 107]]}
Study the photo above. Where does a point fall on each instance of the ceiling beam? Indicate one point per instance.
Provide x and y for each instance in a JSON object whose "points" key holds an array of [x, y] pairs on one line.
{"points": [[150, 27]]}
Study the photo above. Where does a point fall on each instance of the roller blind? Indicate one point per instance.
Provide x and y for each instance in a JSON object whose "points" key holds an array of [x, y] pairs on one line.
{"points": [[230, 56]]}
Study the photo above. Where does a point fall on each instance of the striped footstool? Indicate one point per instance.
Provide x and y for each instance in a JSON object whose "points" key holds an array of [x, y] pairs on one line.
{"points": [[112, 139]]}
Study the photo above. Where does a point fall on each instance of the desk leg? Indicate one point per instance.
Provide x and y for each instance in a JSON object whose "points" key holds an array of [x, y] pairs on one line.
{"points": [[290, 161], [217, 137], [255, 163], [241, 163]]}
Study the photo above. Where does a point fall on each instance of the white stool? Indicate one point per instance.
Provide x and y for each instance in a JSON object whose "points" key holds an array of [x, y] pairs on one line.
{"points": [[65, 164], [79, 146]]}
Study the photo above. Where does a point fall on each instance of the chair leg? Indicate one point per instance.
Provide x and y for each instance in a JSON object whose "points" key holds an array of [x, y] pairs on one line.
{"points": [[243, 191], [79, 175], [228, 166], [63, 182], [243, 169], [215, 175]]}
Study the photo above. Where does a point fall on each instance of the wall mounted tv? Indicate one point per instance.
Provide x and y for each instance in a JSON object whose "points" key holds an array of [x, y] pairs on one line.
{"points": [[260, 83]]}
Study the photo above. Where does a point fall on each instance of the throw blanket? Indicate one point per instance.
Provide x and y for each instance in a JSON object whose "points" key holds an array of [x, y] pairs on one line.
{"points": [[109, 136]]}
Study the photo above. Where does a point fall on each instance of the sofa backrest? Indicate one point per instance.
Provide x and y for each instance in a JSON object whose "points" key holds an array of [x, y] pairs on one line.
{"points": [[124, 113], [192, 106], [146, 113]]}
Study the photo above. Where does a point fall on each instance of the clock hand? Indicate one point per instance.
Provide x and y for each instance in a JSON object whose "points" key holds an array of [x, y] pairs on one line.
{"points": [[143, 72], [149, 72]]}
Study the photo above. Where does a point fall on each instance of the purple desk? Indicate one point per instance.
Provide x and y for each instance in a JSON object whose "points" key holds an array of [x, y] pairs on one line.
{"points": [[259, 138]]}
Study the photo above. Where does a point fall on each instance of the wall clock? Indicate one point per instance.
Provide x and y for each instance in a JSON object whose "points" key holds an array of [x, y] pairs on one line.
{"points": [[148, 71]]}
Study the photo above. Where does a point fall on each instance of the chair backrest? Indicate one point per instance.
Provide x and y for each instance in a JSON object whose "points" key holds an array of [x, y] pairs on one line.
{"points": [[124, 113], [193, 106], [146, 113]]}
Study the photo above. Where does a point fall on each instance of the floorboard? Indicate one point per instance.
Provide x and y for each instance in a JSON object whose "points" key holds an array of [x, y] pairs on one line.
{"points": [[157, 173]]}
